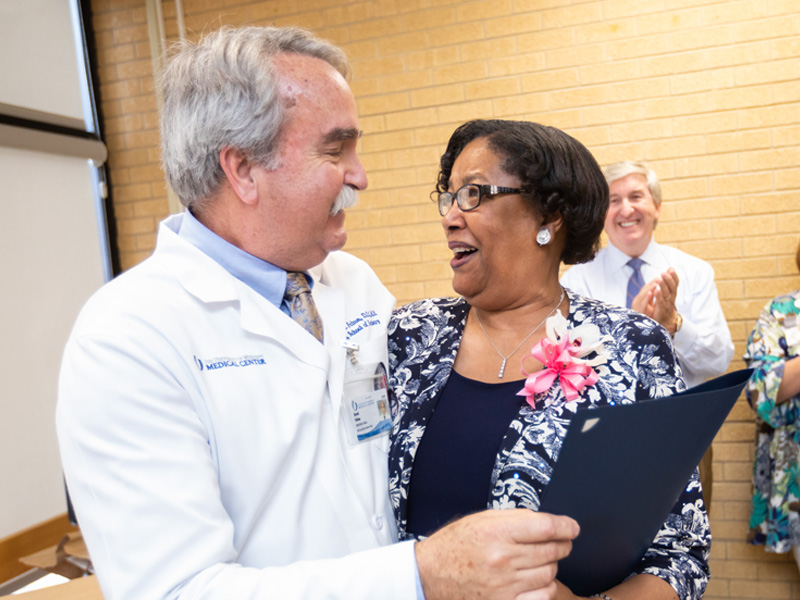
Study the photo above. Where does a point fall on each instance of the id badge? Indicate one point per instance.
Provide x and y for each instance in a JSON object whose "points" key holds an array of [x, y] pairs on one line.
{"points": [[366, 402]]}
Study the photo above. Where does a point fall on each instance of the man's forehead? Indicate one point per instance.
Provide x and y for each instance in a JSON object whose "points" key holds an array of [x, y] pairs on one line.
{"points": [[320, 105], [298, 74], [632, 180]]}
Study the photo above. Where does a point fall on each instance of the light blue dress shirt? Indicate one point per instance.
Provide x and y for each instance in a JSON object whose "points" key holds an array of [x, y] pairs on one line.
{"points": [[265, 278]]}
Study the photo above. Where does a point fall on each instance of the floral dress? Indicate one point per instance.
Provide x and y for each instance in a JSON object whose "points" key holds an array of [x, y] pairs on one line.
{"points": [[640, 364], [775, 516]]}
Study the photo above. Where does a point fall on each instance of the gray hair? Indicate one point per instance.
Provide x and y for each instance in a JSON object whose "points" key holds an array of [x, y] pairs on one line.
{"points": [[222, 91], [621, 169]]}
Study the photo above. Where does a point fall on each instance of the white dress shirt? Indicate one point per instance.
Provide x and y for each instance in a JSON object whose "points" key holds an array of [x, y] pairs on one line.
{"points": [[703, 344]]}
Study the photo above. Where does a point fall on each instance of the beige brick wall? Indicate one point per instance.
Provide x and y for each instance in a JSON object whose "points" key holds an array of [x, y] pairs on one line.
{"points": [[707, 91]]}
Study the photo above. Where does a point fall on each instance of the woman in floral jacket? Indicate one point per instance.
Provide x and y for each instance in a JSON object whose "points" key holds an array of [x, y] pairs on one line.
{"points": [[773, 351], [480, 404]]}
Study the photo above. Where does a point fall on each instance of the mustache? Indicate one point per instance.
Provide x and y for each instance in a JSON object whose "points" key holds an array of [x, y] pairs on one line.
{"points": [[347, 198]]}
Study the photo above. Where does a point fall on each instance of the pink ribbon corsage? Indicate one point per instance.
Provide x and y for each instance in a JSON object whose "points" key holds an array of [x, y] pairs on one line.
{"points": [[561, 352]]}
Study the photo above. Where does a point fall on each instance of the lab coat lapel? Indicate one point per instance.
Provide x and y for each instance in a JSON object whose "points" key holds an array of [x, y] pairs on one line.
{"points": [[260, 317], [209, 282], [331, 305]]}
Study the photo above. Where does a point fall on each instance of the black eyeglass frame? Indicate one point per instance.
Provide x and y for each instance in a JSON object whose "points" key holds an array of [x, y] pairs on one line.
{"points": [[445, 199]]}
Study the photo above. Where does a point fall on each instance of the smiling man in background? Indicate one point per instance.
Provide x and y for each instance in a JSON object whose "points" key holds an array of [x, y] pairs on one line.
{"points": [[670, 286]]}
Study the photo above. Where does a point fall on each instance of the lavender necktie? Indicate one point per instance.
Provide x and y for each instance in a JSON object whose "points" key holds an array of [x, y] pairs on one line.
{"points": [[301, 304], [636, 282]]}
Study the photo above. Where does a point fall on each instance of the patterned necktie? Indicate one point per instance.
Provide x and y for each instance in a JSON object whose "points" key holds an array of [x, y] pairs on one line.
{"points": [[301, 304], [636, 282]]}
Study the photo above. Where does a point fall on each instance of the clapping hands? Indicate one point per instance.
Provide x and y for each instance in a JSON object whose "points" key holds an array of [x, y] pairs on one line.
{"points": [[656, 299]]}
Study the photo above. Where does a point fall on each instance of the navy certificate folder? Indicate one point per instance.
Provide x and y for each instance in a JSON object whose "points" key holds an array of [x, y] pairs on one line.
{"points": [[622, 468]]}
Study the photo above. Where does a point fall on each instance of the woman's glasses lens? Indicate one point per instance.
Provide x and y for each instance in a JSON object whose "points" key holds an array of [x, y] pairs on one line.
{"points": [[467, 197]]}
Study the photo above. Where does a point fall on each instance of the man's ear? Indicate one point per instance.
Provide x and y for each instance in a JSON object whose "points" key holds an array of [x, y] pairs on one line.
{"points": [[240, 172]]}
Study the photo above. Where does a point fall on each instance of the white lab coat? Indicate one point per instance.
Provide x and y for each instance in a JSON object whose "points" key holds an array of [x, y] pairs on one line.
{"points": [[203, 443]]}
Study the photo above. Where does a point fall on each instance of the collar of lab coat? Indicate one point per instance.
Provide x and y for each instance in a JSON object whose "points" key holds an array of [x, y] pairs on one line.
{"points": [[210, 283]]}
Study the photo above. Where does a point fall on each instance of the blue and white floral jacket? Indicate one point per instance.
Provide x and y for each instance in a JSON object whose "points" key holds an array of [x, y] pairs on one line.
{"points": [[640, 363]]}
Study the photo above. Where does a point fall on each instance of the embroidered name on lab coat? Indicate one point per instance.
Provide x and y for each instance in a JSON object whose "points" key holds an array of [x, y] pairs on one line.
{"points": [[224, 362], [368, 318]]}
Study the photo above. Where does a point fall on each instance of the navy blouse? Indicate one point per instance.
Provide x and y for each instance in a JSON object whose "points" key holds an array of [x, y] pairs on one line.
{"points": [[455, 459]]}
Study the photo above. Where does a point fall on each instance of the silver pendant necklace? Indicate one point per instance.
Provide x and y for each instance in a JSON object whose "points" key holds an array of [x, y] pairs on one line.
{"points": [[505, 358]]}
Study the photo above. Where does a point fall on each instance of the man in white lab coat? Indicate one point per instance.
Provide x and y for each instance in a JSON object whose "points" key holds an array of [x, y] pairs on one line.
{"points": [[217, 438]]}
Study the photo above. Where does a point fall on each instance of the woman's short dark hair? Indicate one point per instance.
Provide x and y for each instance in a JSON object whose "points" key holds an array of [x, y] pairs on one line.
{"points": [[797, 258], [556, 171]]}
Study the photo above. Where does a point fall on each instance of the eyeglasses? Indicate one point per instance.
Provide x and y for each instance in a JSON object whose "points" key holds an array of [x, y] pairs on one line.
{"points": [[469, 196]]}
